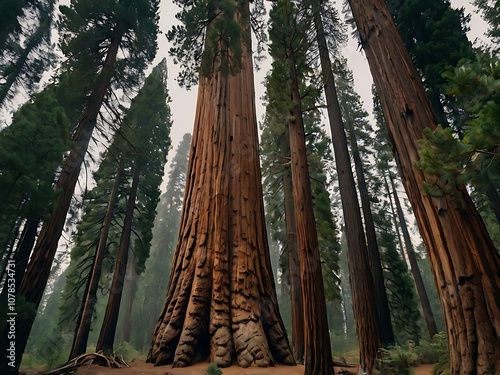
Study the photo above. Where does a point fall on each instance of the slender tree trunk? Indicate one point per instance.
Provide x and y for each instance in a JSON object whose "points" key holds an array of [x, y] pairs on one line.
{"points": [[394, 218], [108, 328], [24, 247], [382, 305], [132, 290], [38, 270], [84, 319], [293, 256], [362, 289], [318, 356], [23, 250], [221, 298], [464, 261], [415, 270]]}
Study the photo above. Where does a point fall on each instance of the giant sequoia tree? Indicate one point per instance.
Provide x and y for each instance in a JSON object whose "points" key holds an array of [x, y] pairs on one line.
{"points": [[463, 259], [221, 301]]}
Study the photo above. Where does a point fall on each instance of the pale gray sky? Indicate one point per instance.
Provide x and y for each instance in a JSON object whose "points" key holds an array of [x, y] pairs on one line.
{"points": [[184, 102]]}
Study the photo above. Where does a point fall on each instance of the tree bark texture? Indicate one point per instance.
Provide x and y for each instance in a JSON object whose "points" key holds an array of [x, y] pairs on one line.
{"points": [[221, 300], [293, 257], [415, 270], [108, 328], [84, 319], [317, 349], [382, 305], [38, 270], [360, 277], [464, 261]]}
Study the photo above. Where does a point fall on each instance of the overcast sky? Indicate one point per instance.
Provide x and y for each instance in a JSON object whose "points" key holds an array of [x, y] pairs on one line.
{"points": [[184, 102]]}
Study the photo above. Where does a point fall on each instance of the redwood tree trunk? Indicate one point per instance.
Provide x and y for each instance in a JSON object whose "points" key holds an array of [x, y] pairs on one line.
{"points": [[464, 261], [318, 356], [415, 270], [84, 319], [108, 328], [360, 277], [293, 258], [38, 271], [221, 300]]}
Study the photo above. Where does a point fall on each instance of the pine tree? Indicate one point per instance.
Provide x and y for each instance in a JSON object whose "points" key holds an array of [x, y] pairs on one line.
{"points": [[99, 241], [358, 128], [385, 163], [360, 275], [26, 52], [10, 11], [91, 36], [276, 171], [289, 47], [145, 140], [154, 281], [400, 289], [30, 150]]}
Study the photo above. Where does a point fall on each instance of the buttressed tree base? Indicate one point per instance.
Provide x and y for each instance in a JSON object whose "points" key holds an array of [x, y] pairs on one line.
{"points": [[221, 301]]}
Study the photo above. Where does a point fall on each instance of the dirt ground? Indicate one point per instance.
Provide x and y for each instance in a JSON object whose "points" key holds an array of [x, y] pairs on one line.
{"points": [[142, 368]]}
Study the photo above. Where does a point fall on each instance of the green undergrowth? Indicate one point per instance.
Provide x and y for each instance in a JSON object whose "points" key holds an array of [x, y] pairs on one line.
{"points": [[401, 359], [213, 369]]}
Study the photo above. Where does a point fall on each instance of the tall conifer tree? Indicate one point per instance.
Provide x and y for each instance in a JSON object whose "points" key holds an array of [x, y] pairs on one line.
{"points": [[91, 36]]}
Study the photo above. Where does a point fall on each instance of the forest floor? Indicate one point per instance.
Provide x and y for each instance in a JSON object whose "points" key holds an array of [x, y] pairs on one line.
{"points": [[143, 368]]}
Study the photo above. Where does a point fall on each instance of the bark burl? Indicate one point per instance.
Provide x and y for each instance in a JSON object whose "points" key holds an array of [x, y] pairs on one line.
{"points": [[221, 301]]}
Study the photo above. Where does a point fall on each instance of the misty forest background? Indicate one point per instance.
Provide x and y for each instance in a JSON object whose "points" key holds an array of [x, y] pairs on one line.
{"points": [[50, 65]]}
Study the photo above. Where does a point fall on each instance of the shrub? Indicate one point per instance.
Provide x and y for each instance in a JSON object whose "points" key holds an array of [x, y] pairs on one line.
{"points": [[397, 360], [434, 350], [213, 369], [127, 351]]}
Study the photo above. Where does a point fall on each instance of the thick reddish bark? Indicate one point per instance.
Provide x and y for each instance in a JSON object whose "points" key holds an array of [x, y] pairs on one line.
{"points": [[108, 328], [90, 298], [464, 261], [38, 270], [221, 301], [318, 356], [360, 277], [415, 270]]}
